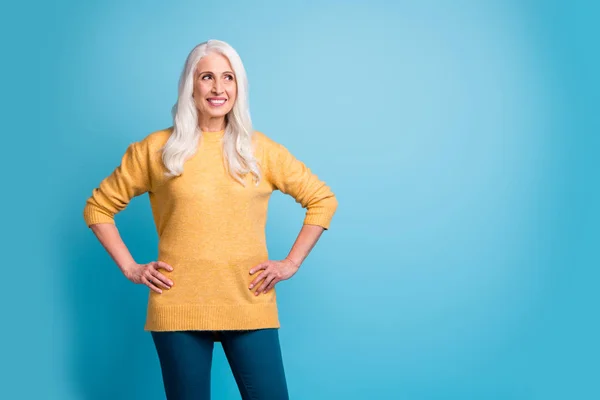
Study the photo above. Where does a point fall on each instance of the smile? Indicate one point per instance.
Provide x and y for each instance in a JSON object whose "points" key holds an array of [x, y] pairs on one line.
{"points": [[216, 102]]}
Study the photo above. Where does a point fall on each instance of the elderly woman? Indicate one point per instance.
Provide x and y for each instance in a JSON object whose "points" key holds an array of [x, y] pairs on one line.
{"points": [[209, 178]]}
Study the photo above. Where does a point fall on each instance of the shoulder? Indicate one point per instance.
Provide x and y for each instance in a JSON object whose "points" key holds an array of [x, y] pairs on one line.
{"points": [[262, 139], [268, 150], [265, 144], [152, 144], [157, 139]]}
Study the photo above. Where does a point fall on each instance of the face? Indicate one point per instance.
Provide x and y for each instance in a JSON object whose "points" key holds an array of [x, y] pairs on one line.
{"points": [[215, 87]]}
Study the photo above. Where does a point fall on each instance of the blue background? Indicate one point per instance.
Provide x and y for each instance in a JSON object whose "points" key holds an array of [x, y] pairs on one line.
{"points": [[461, 139]]}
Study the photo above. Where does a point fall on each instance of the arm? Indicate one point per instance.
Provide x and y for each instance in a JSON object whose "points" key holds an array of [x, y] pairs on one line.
{"points": [[293, 177], [276, 271], [307, 238], [113, 194], [111, 240], [146, 274], [131, 178]]}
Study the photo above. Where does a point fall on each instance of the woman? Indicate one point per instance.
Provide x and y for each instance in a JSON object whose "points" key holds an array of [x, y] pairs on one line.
{"points": [[209, 178]]}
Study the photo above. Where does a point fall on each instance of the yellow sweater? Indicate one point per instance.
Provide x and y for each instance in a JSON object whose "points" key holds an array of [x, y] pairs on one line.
{"points": [[211, 229]]}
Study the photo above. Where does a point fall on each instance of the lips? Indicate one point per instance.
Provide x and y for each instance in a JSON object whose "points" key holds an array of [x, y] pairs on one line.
{"points": [[216, 101]]}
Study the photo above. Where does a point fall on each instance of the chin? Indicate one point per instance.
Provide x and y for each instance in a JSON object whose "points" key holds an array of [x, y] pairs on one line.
{"points": [[217, 115]]}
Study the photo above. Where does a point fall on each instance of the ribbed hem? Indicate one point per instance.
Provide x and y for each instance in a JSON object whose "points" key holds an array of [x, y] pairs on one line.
{"points": [[211, 317], [322, 219], [91, 215]]}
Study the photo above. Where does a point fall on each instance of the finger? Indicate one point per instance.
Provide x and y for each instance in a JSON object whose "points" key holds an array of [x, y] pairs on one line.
{"points": [[258, 279], [163, 265], [160, 279], [266, 282], [270, 286], [164, 279], [151, 285], [258, 267]]}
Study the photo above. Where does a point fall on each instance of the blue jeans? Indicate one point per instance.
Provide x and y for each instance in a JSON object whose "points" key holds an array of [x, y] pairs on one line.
{"points": [[253, 355]]}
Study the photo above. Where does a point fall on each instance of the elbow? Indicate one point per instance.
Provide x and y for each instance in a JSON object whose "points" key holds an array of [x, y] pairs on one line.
{"points": [[321, 212], [94, 214], [334, 204], [330, 204]]}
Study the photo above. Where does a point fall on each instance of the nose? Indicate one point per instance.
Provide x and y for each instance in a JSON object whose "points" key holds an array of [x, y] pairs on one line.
{"points": [[217, 87]]}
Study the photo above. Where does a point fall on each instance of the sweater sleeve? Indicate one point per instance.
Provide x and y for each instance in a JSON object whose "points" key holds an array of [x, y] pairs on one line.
{"points": [[131, 178], [291, 176]]}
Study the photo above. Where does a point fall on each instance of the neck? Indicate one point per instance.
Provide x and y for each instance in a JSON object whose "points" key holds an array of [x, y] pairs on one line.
{"points": [[211, 124]]}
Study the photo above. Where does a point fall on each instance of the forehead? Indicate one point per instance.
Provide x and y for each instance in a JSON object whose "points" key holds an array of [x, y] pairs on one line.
{"points": [[213, 62]]}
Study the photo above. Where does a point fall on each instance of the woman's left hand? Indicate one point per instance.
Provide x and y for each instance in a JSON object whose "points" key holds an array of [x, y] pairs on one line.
{"points": [[273, 272]]}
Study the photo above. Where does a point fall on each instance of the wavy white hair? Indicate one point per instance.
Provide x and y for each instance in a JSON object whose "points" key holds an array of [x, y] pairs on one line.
{"points": [[238, 152]]}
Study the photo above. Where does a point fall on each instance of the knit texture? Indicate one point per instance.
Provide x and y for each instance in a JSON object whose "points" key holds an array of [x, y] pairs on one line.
{"points": [[211, 229]]}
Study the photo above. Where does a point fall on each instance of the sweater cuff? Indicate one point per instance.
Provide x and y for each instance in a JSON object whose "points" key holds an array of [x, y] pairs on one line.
{"points": [[92, 215], [323, 218]]}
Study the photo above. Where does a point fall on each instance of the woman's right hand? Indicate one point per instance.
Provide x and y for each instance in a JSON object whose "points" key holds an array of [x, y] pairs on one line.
{"points": [[147, 274]]}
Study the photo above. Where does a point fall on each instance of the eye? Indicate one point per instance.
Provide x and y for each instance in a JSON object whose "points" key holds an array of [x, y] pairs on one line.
{"points": [[205, 76], [229, 77]]}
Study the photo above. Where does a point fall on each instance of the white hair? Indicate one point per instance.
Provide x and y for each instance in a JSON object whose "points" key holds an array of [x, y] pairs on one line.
{"points": [[237, 141]]}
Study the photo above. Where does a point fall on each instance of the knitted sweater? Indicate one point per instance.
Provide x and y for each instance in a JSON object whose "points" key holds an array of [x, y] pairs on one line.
{"points": [[211, 229]]}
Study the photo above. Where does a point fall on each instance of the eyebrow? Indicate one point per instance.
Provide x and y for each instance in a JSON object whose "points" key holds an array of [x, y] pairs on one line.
{"points": [[210, 72]]}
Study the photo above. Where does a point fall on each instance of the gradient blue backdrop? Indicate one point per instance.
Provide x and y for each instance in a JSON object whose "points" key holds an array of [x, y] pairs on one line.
{"points": [[459, 137]]}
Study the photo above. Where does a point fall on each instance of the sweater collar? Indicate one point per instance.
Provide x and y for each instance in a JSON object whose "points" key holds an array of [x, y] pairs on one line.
{"points": [[215, 135]]}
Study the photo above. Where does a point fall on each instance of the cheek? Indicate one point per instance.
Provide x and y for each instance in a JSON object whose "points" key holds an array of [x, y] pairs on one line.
{"points": [[233, 92], [201, 89], [232, 98], [198, 99]]}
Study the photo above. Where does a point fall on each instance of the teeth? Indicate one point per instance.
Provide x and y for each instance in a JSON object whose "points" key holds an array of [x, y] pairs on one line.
{"points": [[219, 102]]}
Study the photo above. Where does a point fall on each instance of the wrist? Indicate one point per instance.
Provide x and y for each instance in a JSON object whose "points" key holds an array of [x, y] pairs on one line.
{"points": [[128, 267], [294, 263]]}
